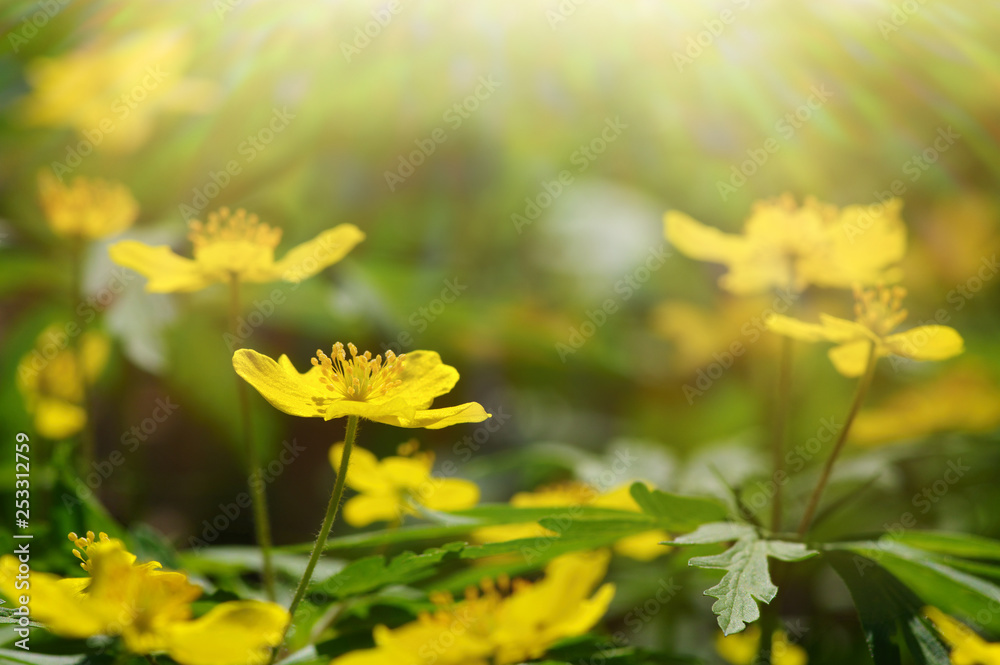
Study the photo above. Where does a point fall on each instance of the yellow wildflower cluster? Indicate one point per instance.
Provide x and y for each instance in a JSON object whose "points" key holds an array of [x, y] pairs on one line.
{"points": [[149, 608], [504, 622]]}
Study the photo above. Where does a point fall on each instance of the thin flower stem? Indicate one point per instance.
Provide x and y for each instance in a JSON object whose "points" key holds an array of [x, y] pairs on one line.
{"points": [[86, 455], [324, 530], [262, 524], [781, 427], [859, 396]]}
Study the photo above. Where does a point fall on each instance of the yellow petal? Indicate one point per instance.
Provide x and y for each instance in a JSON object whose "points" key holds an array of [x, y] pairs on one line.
{"points": [[739, 648], [324, 250], [406, 472], [789, 327], [364, 509], [470, 412], [424, 377], [926, 343], [280, 384], [364, 472], [234, 633], [967, 648], [851, 359], [784, 652], [644, 546], [841, 330], [61, 607], [166, 271], [378, 411], [449, 494], [58, 419], [702, 242]]}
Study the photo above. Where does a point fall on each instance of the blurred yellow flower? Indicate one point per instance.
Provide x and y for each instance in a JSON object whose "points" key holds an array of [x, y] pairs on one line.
{"points": [[234, 246], [51, 379], [705, 335], [789, 247], [395, 486], [967, 648], [490, 627], [396, 391], [877, 313], [87, 208], [112, 93], [741, 648], [148, 607], [641, 546], [966, 400]]}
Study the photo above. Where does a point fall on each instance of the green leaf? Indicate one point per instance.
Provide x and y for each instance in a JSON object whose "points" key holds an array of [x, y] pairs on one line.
{"points": [[747, 579], [936, 583], [955, 544], [373, 572], [889, 611], [677, 513]]}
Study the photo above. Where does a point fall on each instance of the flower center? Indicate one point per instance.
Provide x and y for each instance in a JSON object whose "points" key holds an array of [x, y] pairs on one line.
{"points": [[84, 544], [224, 226], [880, 309], [359, 377]]}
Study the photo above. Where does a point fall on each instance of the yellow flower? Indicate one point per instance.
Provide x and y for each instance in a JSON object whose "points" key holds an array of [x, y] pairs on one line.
{"points": [[149, 608], [641, 546], [395, 486], [111, 93], [967, 648], [877, 313], [232, 246], [741, 648], [966, 400], [51, 379], [396, 391], [790, 247], [87, 208], [489, 627]]}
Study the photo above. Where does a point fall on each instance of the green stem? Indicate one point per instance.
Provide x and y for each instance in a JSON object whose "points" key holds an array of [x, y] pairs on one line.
{"points": [[324, 530], [859, 396], [781, 427], [258, 491], [87, 446]]}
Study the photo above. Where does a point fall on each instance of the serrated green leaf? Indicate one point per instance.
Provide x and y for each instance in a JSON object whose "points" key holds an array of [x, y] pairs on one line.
{"points": [[715, 532], [747, 579], [677, 513]]}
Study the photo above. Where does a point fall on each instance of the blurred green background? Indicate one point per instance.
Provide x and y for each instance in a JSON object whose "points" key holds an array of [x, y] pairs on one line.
{"points": [[545, 140]]}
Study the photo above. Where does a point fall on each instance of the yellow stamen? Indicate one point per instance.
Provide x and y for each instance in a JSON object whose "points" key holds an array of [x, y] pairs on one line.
{"points": [[880, 309], [224, 226], [84, 544], [359, 377]]}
